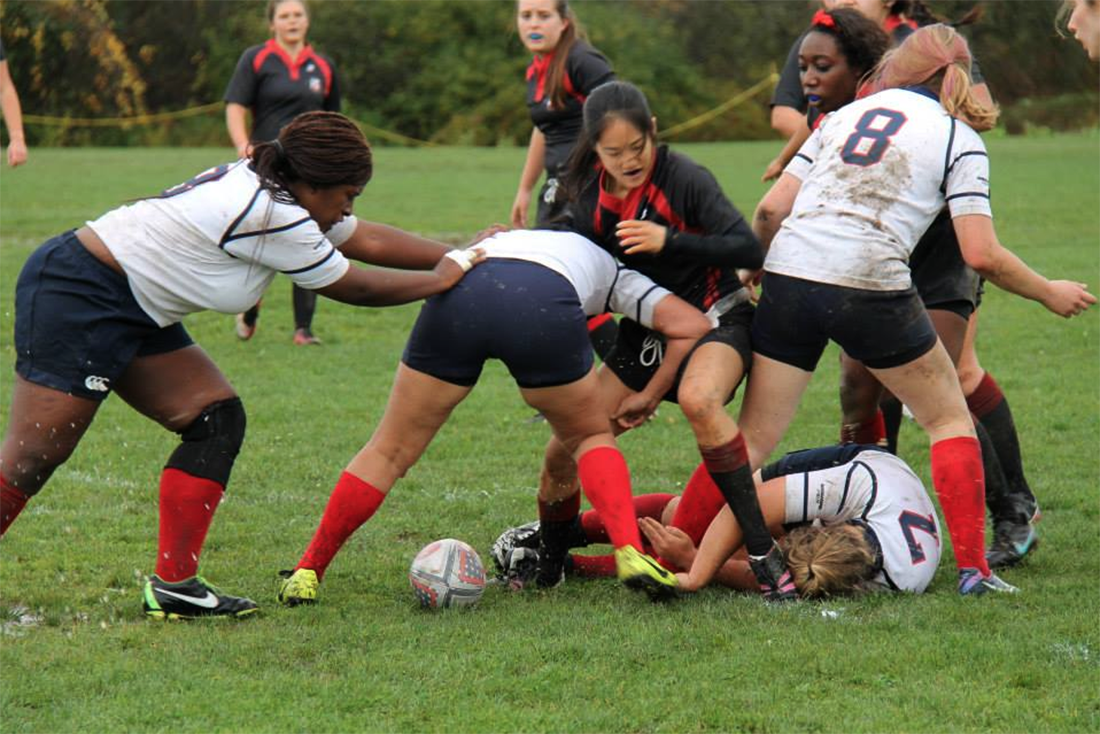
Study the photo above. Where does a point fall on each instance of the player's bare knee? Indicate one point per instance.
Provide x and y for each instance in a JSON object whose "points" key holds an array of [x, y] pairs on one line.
{"points": [[211, 442]]}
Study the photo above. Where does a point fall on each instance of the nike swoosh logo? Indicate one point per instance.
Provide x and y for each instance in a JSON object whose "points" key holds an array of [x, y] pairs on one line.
{"points": [[209, 601]]}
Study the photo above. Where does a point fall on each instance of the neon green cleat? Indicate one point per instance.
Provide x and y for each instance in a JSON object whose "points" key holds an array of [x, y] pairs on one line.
{"points": [[640, 572], [300, 587]]}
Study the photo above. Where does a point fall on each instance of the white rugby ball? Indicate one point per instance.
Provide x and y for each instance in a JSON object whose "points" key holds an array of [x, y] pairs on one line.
{"points": [[447, 573]]}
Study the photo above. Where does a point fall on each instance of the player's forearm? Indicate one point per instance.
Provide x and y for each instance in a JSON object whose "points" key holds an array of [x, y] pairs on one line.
{"points": [[381, 244], [535, 161], [236, 119], [13, 114]]}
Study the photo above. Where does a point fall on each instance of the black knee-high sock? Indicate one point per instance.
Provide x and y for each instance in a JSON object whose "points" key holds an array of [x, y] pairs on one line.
{"points": [[998, 495], [891, 417], [728, 466], [988, 403], [305, 303]]}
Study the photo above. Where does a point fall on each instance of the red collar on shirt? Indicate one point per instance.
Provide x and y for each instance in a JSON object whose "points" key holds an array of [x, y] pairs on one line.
{"points": [[306, 55], [627, 207], [538, 70], [893, 21]]}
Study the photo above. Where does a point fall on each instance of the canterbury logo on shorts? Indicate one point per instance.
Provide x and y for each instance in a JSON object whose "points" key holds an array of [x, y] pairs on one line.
{"points": [[653, 352], [99, 384]]}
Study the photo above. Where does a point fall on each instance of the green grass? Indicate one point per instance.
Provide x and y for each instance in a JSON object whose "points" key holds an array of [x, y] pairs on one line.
{"points": [[586, 657]]}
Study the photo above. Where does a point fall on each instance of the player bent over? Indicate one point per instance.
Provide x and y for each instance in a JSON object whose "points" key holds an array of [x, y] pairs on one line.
{"points": [[99, 310], [527, 306]]}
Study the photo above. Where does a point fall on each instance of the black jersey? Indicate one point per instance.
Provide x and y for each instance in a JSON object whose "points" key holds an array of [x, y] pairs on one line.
{"points": [[585, 69], [277, 88], [788, 90], [708, 239]]}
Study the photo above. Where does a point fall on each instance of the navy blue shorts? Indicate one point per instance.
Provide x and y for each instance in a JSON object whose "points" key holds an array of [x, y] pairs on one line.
{"points": [[524, 314], [638, 352], [796, 318], [77, 325]]}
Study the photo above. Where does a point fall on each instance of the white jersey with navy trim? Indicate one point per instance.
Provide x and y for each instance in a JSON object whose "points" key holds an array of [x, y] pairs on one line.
{"points": [[880, 490], [215, 243], [601, 282], [874, 175]]}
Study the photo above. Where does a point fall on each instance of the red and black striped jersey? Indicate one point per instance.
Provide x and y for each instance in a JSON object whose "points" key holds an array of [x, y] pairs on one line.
{"points": [[708, 238], [277, 89], [585, 69]]}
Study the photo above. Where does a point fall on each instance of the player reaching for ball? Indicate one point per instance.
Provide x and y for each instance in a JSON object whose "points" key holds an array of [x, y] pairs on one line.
{"points": [[99, 309], [526, 305]]}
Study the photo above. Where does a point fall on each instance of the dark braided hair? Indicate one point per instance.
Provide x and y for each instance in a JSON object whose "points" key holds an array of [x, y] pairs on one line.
{"points": [[322, 149], [859, 38], [608, 102]]}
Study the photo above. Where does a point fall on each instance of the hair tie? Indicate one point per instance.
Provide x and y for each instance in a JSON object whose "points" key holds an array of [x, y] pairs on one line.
{"points": [[822, 18]]}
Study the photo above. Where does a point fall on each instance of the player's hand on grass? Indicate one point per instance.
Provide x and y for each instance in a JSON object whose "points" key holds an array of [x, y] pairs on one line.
{"points": [[1068, 298], [637, 236], [672, 544]]}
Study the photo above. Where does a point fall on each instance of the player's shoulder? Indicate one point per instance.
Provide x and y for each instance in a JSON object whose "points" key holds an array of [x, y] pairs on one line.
{"points": [[683, 168], [583, 55]]}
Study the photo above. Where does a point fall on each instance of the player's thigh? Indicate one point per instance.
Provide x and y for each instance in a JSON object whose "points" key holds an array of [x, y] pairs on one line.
{"points": [[860, 391], [930, 388], [172, 388], [771, 400], [951, 327], [44, 427], [575, 411]]}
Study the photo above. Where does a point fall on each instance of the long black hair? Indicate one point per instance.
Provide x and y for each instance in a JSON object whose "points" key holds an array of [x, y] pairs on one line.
{"points": [[616, 100], [322, 149]]}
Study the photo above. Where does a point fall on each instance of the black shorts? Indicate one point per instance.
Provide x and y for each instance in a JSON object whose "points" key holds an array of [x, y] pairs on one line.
{"points": [[524, 314], [796, 318], [638, 351], [77, 325], [942, 278]]}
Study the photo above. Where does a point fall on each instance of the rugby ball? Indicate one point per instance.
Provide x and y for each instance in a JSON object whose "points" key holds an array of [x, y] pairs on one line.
{"points": [[447, 573]]}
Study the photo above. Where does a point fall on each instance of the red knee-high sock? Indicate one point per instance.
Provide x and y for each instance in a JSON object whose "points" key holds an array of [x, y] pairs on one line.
{"points": [[699, 503], [872, 431], [959, 480], [187, 506], [351, 504], [645, 505], [12, 502], [606, 483]]}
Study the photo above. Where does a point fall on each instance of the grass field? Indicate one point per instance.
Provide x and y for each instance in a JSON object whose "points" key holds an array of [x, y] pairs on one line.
{"points": [[588, 657]]}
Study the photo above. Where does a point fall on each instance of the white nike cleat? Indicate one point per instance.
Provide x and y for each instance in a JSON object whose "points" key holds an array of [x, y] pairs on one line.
{"points": [[194, 597]]}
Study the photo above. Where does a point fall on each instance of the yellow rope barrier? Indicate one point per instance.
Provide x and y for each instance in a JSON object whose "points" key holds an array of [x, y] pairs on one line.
{"points": [[729, 104], [122, 121], [156, 117]]}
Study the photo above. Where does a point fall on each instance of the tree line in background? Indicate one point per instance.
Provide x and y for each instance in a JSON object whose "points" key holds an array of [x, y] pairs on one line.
{"points": [[451, 71]]}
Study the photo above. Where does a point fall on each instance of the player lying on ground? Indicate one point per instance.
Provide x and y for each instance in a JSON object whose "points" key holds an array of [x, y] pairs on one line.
{"points": [[841, 223], [527, 306], [876, 529], [100, 309]]}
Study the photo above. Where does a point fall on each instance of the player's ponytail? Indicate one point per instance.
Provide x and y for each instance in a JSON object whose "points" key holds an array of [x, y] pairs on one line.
{"points": [[322, 149], [937, 57], [834, 560], [608, 102]]}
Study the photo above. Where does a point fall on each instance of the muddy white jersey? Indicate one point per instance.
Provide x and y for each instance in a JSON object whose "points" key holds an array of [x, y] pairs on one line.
{"points": [[880, 490], [216, 242], [874, 175], [601, 282]]}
